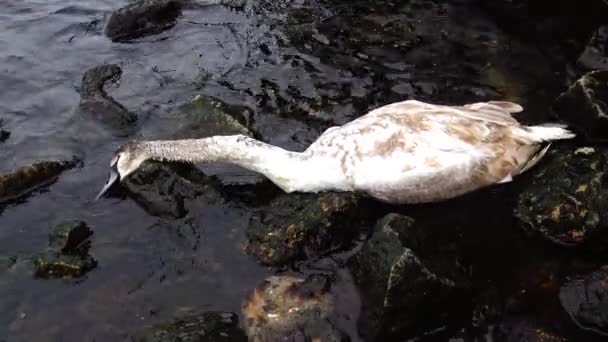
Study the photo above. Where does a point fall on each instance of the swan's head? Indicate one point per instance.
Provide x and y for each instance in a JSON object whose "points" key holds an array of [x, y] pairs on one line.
{"points": [[126, 160]]}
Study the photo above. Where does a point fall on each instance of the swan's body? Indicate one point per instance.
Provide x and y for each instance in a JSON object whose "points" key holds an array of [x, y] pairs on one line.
{"points": [[405, 152]]}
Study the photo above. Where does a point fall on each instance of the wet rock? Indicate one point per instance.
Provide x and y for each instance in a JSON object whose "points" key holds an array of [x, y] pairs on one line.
{"points": [[69, 237], [97, 105], [142, 18], [584, 105], [202, 117], [52, 264], [6, 262], [194, 327], [525, 330], [30, 178], [585, 299], [404, 296], [595, 55], [565, 200], [67, 255], [291, 308], [298, 226], [171, 190], [4, 135]]}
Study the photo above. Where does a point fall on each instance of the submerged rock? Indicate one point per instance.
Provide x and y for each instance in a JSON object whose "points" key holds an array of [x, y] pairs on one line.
{"points": [[288, 308], [595, 55], [141, 18], [298, 226], [565, 198], [585, 105], [194, 327], [67, 255], [52, 264], [30, 178], [403, 296], [171, 189], [69, 237], [524, 330], [97, 105], [585, 299]]}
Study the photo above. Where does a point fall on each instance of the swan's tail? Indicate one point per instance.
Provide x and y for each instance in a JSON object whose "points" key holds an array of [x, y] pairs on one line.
{"points": [[545, 133]]}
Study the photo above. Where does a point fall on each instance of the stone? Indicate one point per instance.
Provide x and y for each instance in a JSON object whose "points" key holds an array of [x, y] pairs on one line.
{"points": [[52, 264], [206, 326], [595, 55], [29, 178], [584, 106], [69, 237], [585, 299], [142, 18]]}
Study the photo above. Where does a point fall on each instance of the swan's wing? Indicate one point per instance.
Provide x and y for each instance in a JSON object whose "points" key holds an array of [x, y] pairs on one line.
{"points": [[498, 112]]}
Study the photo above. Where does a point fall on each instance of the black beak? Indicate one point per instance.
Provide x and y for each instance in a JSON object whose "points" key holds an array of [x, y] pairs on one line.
{"points": [[111, 181]]}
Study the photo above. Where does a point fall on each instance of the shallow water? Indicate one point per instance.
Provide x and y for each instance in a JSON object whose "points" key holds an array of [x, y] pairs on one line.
{"points": [[149, 267]]}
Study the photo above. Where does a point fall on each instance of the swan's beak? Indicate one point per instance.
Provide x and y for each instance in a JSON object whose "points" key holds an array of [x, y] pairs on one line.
{"points": [[113, 178]]}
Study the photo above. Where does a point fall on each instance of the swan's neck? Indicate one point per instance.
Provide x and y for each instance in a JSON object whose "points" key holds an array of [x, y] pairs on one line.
{"points": [[292, 171]]}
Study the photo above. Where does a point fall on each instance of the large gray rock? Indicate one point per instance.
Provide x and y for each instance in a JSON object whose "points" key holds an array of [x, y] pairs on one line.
{"points": [[585, 106], [141, 18], [403, 295], [595, 55]]}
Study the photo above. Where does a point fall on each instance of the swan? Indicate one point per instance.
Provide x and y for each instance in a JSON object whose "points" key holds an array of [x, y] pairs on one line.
{"points": [[401, 153]]}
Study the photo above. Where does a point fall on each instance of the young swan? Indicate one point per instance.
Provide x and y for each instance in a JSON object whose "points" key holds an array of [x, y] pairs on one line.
{"points": [[405, 152]]}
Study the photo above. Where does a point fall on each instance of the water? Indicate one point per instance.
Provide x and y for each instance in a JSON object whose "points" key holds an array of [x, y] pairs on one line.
{"points": [[149, 267]]}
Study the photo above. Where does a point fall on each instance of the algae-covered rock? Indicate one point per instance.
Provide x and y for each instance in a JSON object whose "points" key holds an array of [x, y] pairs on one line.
{"points": [[32, 177], [68, 252], [566, 198], [585, 105], [585, 299], [595, 55], [96, 105], [298, 226], [52, 264], [141, 18], [194, 327], [288, 308], [403, 295], [69, 237], [171, 189]]}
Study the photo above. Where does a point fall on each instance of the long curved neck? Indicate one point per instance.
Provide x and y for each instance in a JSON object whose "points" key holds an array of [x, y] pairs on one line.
{"points": [[284, 168]]}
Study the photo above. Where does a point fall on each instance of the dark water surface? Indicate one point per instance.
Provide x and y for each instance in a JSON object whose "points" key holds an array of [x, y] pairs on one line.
{"points": [[149, 267]]}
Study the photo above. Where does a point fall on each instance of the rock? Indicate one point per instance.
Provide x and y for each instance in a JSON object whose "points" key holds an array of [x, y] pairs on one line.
{"points": [[98, 106], [297, 226], [194, 327], [4, 135], [404, 296], [170, 190], [67, 255], [202, 117], [585, 299], [52, 264], [142, 18], [524, 330], [288, 308], [565, 198], [595, 55], [29, 178], [585, 106], [69, 237], [6, 262]]}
